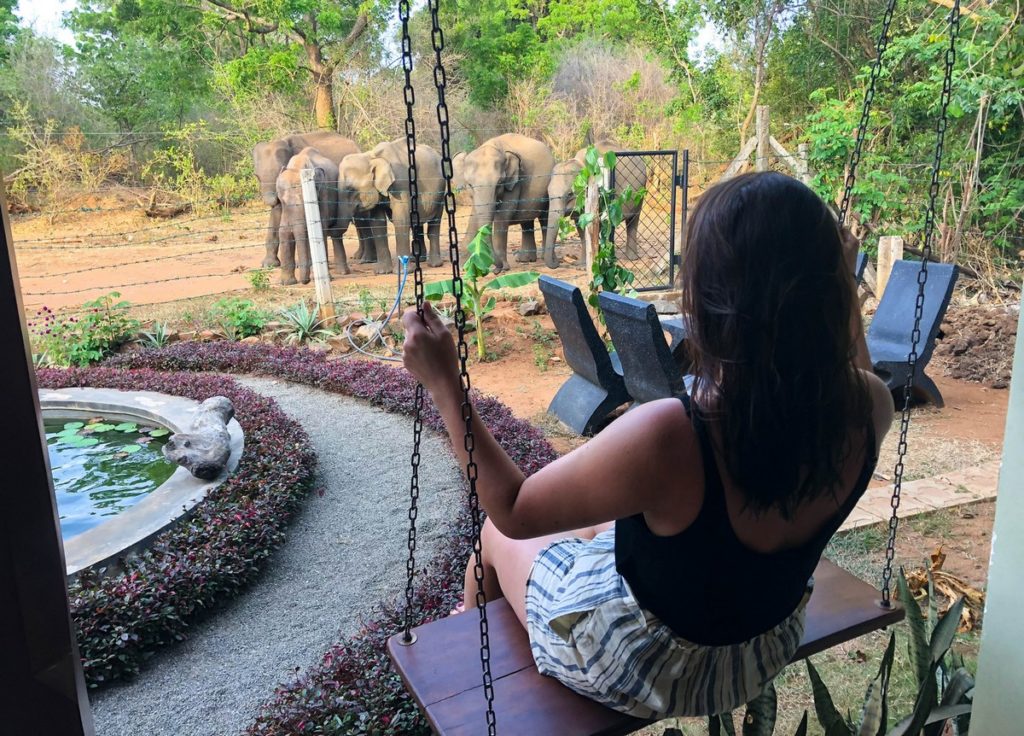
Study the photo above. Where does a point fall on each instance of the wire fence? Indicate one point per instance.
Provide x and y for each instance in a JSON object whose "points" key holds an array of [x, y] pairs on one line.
{"points": [[84, 252]]}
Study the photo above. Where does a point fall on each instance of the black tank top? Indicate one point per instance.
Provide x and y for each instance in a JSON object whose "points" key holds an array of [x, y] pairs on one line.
{"points": [[705, 584]]}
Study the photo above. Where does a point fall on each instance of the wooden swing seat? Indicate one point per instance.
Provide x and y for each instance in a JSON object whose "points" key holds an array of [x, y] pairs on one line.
{"points": [[441, 669]]}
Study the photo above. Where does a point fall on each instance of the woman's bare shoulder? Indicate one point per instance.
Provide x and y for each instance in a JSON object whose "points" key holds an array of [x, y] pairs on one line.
{"points": [[882, 408]]}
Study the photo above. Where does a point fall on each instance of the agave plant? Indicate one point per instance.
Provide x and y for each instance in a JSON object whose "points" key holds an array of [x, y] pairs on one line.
{"points": [[945, 687], [302, 324], [157, 337], [758, 720]]}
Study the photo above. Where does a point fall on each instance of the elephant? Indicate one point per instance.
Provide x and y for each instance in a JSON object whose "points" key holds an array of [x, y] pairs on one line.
{"points": [[562, 201], [509, 176], [293, 237], [271, 157], [374, 186]]}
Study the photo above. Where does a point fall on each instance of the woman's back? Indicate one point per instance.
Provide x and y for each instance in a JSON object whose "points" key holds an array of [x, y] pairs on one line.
{"points": [[702, 580]]}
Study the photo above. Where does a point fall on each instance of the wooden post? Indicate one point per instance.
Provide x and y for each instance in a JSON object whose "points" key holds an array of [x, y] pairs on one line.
{"points": [[593, 231], [761, 133], [42, 688], [317, 247], [890, 250]]}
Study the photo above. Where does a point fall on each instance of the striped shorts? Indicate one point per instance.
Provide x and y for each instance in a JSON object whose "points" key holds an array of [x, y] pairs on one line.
{"points": [[587, 631]]}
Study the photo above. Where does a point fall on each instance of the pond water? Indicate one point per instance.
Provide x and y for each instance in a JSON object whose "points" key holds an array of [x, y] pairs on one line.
{"points": [[101, 468]]}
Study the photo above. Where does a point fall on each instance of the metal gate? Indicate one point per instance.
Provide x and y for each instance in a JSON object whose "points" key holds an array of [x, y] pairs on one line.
{"points": [[648, 246]]}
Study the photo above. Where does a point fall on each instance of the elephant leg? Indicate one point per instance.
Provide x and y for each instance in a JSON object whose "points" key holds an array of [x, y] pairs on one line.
{"points": [[340, 265], [379, 230], [367, 248], [528, 250], [631, 240], [302, 259], [287, 241], [434, 236], [273, 240]]}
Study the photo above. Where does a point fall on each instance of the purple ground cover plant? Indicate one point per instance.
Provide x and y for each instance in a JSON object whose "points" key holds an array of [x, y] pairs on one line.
{"points": [[120, 619], [353, 689]]}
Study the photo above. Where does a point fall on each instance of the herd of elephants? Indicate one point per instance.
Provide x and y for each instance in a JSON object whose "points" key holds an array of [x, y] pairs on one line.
{"points": [[514, 180]]}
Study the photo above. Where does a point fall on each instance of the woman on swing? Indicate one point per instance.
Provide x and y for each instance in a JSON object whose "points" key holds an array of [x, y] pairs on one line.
{"points": [[663, 568]]}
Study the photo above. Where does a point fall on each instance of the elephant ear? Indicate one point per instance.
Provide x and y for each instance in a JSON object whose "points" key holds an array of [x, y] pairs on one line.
{"points": [[383, 175], [511, 171]]}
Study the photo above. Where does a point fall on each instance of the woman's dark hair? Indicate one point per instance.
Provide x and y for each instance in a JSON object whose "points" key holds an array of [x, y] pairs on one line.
{"points": [[767, 300]]}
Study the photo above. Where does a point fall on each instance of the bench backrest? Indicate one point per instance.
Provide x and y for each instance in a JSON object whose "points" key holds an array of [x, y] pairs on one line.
{"points": [[893, 323], [648, 368], [584, 350]]}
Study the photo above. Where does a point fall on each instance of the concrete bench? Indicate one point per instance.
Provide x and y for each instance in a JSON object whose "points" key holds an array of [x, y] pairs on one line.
{"points": [[889, 336], [648, 367], [596, 386]]}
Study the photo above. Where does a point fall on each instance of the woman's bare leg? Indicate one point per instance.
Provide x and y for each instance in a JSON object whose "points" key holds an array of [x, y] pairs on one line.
{"points": [[507, 563]]}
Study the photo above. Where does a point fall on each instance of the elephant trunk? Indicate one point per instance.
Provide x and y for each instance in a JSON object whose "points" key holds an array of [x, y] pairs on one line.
{"points": [[482, 212], [556, 209], [302, 252]]}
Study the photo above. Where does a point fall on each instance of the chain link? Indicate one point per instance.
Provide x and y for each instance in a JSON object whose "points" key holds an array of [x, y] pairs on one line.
{"points": [[865, 113], [417, 255], [922, 278]]}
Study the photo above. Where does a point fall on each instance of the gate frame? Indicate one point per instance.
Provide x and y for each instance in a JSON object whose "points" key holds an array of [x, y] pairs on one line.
{"points": [[678, 179]]}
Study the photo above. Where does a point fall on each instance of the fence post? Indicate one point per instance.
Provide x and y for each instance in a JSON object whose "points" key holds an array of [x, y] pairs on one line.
{"points": [[890, 250], [805, 168], [685, 214], [593, 232], [761, 132], [317, 247]]}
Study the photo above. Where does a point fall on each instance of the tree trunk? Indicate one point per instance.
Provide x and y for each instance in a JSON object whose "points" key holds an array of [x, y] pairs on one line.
{"points": [[324, 102]]}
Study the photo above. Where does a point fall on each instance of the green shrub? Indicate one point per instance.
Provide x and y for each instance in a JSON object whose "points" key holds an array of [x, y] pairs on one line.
{"points": [[239, 318], [303, 324], [86, 336]]}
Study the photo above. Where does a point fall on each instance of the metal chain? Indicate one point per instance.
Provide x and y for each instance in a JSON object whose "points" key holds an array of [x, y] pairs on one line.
{"points": [[865, 113], [417, 253], [440, 82], [922, 278]]}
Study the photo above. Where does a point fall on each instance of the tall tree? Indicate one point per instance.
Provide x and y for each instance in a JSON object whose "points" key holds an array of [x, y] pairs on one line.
{"points": [[315, 38]]}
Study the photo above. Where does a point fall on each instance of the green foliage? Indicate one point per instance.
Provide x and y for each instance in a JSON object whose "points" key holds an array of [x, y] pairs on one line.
{"points": [[607, 274], [155, 337], [259, 279], [474, 301], [239, 318], [86, 336], [303, 324], [943, 684]]}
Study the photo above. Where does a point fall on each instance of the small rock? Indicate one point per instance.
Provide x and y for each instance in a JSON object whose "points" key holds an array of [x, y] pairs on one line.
{"points": [[212, 239], [273, 326], [366, 332], [206, 447], [664, 306], [339, 344], [188, 335], [946, 329], [251, 340], [555, 359], [174, 337], [319, 347], [207, 335], [531, 308]]}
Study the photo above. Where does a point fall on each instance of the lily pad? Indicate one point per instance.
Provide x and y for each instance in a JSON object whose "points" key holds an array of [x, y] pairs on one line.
{"points": [[83, 441], [131, 449], [160, 433], [66, 433], [127, 427], [74, 425], [101, 427]]}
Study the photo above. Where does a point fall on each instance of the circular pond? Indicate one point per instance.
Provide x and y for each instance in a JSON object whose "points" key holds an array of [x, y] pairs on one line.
{"points": [[100, 468], [101, 524]]}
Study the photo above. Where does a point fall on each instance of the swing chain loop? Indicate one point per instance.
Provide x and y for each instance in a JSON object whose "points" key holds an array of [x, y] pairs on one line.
{"points": [[922, 279], [865, 113], [440, 82], [417, 255]]}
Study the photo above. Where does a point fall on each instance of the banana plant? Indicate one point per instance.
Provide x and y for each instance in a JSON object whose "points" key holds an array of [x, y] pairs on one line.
{"points": [[474, 300]]}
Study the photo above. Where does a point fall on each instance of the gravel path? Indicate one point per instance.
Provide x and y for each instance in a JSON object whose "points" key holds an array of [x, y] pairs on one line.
{"points": [[345, 551]]}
